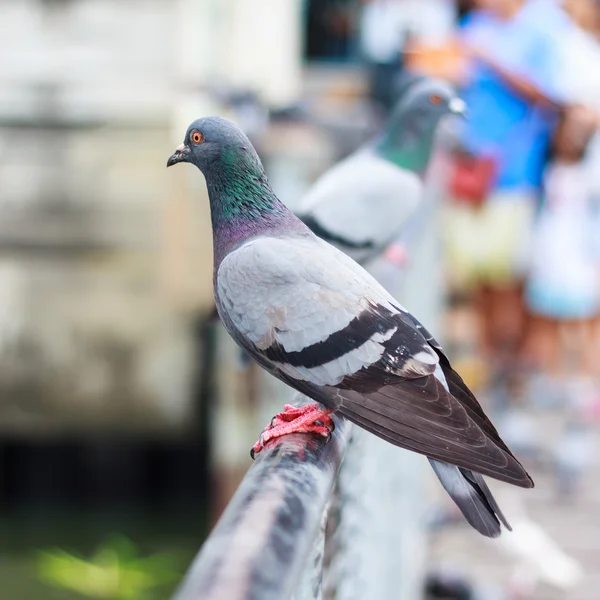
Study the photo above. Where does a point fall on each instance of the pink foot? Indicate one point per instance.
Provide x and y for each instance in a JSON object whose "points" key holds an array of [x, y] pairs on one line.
{"points": [[303, 419], [397, 254]]}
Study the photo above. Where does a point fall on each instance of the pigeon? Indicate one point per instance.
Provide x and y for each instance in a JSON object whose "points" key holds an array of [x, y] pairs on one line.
{"points": [[361, 204], [314, 318]]}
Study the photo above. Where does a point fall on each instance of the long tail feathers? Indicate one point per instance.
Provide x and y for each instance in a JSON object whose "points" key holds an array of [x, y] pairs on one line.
{"points": [[472, 495]]}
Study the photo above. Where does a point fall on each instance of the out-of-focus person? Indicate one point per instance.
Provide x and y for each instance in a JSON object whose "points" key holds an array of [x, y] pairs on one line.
{"points": [[383, 32], [388, 28], [511, 89], [563, 291]]}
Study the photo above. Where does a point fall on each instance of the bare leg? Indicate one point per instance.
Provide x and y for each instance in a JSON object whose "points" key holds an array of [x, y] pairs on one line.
{"points": [[544, 345], [503, 319]]}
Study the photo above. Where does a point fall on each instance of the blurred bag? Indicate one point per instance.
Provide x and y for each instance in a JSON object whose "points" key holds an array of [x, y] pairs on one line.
{"points": [[471, 178]]}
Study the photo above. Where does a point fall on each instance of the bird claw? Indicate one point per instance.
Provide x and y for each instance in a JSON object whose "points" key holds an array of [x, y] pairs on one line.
{"points": [[310, 418], [254, 451]]}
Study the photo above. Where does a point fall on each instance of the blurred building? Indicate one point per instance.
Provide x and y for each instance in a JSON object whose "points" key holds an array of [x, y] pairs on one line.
{"points": [[89, 335], [104, 260], [105, 256]]}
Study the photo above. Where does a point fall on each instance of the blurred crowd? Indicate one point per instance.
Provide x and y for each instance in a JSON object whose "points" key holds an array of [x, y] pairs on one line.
{"points": [[521, 215]]}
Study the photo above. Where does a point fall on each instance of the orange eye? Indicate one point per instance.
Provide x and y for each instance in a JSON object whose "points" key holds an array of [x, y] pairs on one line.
{"points": [[435, 99], [196, 137]]}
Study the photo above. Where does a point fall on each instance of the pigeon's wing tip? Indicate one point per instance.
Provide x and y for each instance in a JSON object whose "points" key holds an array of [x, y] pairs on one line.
{"points": [[493, 534], [526, 482], [473, 497]]}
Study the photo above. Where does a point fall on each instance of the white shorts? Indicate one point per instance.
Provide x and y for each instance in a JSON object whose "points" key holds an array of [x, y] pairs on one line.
{"points": [[489, 244]]}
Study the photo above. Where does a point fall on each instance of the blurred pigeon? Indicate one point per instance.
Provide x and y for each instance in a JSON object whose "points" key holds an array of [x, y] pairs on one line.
{"points": [[361, 204], [316, 320]]}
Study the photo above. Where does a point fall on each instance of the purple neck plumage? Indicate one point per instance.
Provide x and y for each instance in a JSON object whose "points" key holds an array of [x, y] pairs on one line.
{"points": [[243, 206]]}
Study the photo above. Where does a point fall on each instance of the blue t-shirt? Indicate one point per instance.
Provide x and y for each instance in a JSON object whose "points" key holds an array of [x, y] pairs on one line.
{"points": [[501, 123]]}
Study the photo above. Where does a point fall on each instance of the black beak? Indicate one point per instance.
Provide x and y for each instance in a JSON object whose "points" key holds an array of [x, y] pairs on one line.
{"points": [[180, 155]]}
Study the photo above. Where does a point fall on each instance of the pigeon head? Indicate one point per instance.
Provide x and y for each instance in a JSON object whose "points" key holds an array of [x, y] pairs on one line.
{"points": [[214, 144], [409, 135], [242, 203]]}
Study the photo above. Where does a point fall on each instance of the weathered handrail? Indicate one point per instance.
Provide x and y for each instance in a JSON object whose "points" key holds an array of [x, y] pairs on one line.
{"points": [[262, 543]]}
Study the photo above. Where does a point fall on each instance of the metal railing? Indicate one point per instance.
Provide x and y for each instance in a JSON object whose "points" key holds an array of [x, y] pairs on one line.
{"points": [[269, 542]]}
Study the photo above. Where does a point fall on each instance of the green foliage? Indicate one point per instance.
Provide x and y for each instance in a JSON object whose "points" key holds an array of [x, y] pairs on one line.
{"points": [[114, 572]]}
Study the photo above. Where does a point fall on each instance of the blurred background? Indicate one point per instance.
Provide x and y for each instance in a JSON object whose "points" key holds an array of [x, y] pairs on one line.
{"points": [[126, 415]]}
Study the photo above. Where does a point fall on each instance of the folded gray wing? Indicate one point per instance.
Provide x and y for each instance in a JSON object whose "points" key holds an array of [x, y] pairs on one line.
{"points": [[314, 314]]}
